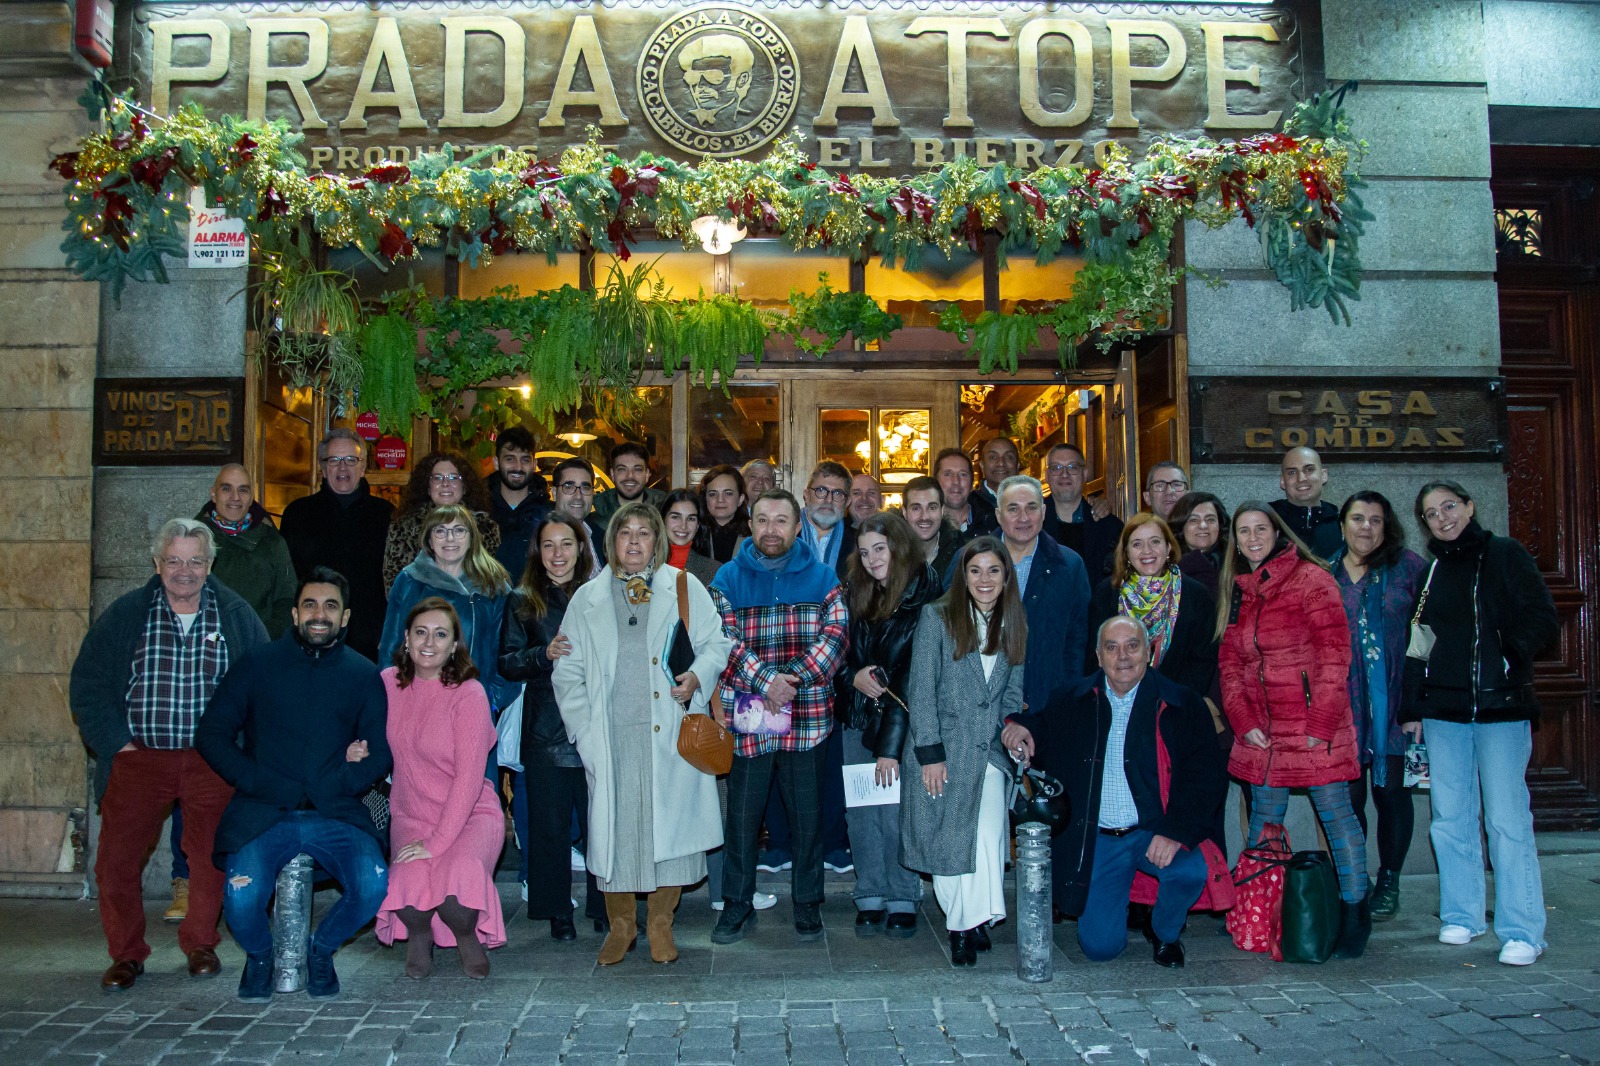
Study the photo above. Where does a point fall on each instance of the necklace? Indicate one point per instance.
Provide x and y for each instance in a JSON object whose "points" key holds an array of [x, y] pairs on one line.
{"points": [[635, 592]]}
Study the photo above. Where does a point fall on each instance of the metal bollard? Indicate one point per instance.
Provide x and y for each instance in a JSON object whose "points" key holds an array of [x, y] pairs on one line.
{"points": [[291, 924], [1035, 948]]}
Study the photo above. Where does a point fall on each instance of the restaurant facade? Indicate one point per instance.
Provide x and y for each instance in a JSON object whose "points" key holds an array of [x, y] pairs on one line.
{"points": [[1471, 353]]}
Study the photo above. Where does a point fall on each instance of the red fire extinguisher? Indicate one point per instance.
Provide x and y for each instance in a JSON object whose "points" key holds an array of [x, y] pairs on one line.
{"points": [[93, 30]]}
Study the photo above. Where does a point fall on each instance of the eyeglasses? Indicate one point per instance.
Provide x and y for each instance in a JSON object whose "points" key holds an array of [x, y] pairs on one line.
{"points": [[451, 532], [574, 488], [342, 460], [172, 562], [444, 478], [1168, 486], [712, 76], [823, 495], [1065, 468], [1444, 510]]}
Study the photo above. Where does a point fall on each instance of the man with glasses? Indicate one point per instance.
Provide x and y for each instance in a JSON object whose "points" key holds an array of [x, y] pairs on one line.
{"points": [[1164, 485], [142, 679], [1070, 519], [574, 496], [967, 511], [1302, 478], [344, 527], [822, 525]]}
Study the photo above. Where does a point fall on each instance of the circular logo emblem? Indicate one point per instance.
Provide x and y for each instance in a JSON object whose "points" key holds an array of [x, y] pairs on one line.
{"points": [[718, 80]]}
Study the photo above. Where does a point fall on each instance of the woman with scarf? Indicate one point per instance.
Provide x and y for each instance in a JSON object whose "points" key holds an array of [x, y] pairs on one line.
{"points": [[1178, 612], [1490, 614], [652, 816], [1378, 579]]}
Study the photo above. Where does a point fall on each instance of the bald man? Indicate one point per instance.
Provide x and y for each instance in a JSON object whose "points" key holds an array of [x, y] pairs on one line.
{"points": [[252, 556], [1303, 477]]}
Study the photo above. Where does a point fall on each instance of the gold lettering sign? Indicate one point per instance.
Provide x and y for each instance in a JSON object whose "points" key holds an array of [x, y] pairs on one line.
{"points": [[866, 84], [1255, 420], [168, 421]]}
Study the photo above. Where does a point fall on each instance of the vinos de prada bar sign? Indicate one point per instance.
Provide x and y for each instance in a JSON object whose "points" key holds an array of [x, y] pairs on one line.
{"points": [[867, 85]]}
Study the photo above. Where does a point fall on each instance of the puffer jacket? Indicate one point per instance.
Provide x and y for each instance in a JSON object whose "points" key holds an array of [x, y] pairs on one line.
{"points": [[522, 658], [1491, 613], [885, 644], [1285, 664]]}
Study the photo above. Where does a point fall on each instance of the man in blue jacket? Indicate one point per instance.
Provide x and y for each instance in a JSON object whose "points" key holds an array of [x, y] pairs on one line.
{"points": [[298, 728]]}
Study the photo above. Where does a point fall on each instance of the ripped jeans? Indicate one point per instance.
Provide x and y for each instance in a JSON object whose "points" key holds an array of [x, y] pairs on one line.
{"points": [[347, 854]]}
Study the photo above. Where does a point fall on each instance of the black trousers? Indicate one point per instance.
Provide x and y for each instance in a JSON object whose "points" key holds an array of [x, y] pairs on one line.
{"points": [[554, 792], [1397, 817], [799, 775]]}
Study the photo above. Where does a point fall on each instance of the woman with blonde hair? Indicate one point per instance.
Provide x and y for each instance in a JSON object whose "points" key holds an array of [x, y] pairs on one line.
{"points": [[652, 816]]}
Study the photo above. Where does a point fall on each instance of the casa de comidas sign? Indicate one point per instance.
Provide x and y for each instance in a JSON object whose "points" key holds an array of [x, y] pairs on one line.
{"points": [[1365, 419], [866, 86]]}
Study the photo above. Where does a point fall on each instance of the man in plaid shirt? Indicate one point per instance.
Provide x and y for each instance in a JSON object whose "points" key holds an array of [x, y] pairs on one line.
{"points": [[142, 679], [785, 612]]}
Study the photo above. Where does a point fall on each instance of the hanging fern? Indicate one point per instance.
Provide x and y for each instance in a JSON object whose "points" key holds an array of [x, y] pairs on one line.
{"points": [[389, 372]]}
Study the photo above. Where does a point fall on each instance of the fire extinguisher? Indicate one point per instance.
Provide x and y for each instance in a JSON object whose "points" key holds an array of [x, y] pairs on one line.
{"points": [[92, 32]]}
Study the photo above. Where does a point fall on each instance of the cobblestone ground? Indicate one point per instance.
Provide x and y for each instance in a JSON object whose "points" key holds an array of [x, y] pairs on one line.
{"points": [[843, 1000]]}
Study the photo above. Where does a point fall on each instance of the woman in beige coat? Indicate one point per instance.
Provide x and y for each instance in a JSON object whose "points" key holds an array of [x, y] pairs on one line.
{"points": [[652, 816]]}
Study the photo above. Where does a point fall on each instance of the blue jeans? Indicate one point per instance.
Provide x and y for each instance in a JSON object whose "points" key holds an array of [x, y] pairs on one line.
{"points": [[1103, 925], [350, 856], [1491, 758]]}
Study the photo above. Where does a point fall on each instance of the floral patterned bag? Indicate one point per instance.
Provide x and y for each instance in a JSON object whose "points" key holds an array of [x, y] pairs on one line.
{"points": [[1256, 920]]}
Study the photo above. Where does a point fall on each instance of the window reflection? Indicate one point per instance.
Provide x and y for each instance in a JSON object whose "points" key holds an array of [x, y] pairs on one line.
{"points": [[1028, 287], [764, 272], [920, 295], [732, 427], [683, 273], [527, 273]]}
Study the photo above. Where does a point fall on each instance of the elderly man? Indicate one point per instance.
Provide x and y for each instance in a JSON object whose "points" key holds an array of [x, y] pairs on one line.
{"points": [[1302, 478], [141, 681], [1070, 519], [629, 465], [1165, 484], [822, 525], [344, 527], [1133, 811], [866, 498], [785, 611], [922, 504], [998, 459], [252, 556], [759, 476], [298, 728], [966, 510]]}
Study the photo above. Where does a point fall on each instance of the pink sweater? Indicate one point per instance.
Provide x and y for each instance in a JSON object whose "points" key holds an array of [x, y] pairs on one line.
{"points": [[441, 739]]}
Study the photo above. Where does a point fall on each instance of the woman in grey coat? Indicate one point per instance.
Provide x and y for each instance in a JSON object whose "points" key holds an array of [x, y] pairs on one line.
{"points": [[966, 678]]}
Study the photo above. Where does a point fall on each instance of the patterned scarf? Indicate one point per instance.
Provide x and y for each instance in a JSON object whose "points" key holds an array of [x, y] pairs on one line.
{"points": [[1153, 601], [233, 529]]}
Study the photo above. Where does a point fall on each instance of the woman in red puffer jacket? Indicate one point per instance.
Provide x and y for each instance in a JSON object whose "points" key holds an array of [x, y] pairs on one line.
{"points": [[1285, 664]]}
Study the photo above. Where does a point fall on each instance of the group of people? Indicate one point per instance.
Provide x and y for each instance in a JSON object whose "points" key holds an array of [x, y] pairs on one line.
{"points": [[333, 688]]}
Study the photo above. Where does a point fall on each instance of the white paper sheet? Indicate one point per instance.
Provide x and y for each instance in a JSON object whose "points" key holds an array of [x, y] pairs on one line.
{"points": [[861, 788]]}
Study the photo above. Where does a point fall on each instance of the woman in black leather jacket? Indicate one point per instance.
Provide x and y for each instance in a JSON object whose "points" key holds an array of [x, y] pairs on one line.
{"points": [[889, 583], [530, 643]]}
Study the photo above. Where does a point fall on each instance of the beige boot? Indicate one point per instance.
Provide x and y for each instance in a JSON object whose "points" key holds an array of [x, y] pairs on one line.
{"points": [[659, 906], [623, 913], [179, 910]]}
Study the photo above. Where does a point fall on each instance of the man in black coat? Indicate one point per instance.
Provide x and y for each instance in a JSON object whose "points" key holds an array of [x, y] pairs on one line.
{"points": [[1134, 809], [298, 728], [343, 527], [1070, 519], [1302, 477], [518, 498]]}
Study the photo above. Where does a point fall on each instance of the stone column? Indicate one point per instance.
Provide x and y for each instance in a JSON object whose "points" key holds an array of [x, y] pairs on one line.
{"points": [[1428, 302], [49, 322]]}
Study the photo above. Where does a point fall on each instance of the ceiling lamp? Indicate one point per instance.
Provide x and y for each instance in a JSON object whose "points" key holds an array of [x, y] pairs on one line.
{"points": [[576, 438], [717, 235]]}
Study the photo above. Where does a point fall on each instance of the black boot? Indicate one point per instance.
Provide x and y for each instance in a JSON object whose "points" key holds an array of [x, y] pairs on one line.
{"points": [[1355, 925], [1386, 897]]}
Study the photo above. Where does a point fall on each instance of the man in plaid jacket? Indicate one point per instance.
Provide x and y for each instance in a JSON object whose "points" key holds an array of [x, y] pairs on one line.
{"points": [[785, 612]]}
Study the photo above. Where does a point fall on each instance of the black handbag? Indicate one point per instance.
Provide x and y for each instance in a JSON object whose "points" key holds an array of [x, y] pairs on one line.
{"points": [[1310, 907]]}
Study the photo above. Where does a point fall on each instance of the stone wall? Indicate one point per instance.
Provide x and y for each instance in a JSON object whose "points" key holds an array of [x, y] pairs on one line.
{"points": [[49, 325], [1428, 302]]}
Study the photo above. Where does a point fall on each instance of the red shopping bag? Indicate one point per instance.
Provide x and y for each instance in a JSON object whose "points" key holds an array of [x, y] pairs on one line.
{"points": [[1256, 920]]}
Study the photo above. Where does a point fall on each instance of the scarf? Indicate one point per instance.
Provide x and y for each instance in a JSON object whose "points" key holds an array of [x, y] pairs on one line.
{"points": [[1153, 601], [1374, 673], [233, 529]]}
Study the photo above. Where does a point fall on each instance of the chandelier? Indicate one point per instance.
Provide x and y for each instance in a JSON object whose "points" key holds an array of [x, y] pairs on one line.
{"points": [[902, 446]]}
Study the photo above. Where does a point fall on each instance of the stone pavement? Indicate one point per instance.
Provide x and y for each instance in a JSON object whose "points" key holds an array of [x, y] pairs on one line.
{"points": [[843, 1000]]}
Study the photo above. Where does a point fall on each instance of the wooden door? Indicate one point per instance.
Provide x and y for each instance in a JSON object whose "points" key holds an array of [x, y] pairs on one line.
{"points": [[1549, 227], [853, 419], [1122, 437]]}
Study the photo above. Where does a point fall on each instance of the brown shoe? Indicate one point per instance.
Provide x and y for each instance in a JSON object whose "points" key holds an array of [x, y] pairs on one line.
{"points": [[179, 910], [624, 914], [658, 923], [203, 962], [121, 976]]}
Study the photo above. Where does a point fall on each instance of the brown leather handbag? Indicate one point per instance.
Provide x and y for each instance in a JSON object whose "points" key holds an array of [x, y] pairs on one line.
{"points": [[702, 740]]}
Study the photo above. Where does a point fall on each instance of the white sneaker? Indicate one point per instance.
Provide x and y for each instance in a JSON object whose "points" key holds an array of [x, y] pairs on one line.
{"points": [[578, 865], [1519, 953], [1457, 934], [761, 901]]}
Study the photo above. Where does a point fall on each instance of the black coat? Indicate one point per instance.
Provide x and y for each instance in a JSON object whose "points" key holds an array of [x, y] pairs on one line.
{"points": [[522, 658], [277, 729], [1094, 539], [983, 519], [516, 523], [951, 541], [1318, 527], [1191, 658], [885, 644], [1070, 743], [1491, 614], [349, 538]]}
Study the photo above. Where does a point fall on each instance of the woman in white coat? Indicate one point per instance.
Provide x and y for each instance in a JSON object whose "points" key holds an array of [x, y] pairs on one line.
{"points": [[652, 816]]}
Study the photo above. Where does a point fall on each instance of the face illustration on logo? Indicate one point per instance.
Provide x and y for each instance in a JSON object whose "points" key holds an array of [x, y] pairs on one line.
{"points": [[716, 68]]}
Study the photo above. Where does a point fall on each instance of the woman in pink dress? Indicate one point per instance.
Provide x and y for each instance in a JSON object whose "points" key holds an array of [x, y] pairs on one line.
{"points": [[446, 827]]}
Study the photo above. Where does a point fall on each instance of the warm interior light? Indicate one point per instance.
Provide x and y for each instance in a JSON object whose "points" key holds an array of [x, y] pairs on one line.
{"points": [[717, 235], [526, 390], [576, 438]]}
